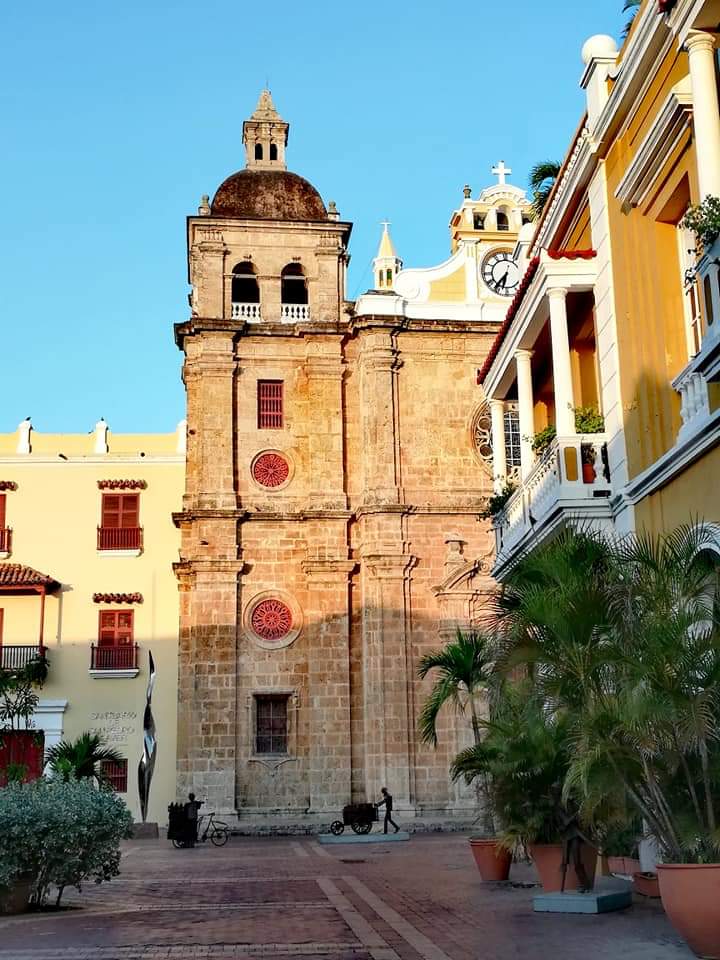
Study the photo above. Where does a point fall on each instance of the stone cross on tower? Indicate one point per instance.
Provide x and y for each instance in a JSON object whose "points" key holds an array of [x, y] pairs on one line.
{"points": [[500, 171]]}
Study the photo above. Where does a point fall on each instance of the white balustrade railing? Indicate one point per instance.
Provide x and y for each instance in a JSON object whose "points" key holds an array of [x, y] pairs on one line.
{"points": [[694, 400], [572, 472], [293, 312], [246, 311]]}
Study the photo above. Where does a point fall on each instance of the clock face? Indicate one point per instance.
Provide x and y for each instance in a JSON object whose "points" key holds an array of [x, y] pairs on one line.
{"points": [[501, 273]]}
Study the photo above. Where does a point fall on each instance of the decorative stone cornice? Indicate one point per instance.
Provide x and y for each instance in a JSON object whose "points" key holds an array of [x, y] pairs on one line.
{"points": [[327, 571], [117, 598], [122, 484]]}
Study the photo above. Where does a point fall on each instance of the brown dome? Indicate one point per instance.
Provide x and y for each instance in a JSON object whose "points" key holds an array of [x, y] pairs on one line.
{"points": [[268, 195]]}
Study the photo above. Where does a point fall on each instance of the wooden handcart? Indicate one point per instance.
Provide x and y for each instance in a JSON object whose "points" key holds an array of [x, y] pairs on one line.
{"points": [[358, 816]]}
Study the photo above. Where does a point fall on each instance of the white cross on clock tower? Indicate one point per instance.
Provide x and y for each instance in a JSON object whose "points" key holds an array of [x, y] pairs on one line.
{"points": [[501, 171]]}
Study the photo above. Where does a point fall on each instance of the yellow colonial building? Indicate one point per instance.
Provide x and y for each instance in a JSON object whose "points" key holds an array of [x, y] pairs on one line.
{"points": [[611, 348], [87, 544]]}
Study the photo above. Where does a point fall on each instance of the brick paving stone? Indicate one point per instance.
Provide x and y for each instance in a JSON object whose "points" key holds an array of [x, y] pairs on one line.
{"points": [[278, 899]]}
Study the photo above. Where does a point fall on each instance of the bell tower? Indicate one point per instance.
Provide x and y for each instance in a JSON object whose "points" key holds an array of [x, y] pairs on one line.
{"points": [[386, 264], [265, 136]]}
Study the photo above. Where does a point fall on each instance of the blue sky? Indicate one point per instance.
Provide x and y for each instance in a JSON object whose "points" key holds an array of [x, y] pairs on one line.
{"points": [[117, 117]]}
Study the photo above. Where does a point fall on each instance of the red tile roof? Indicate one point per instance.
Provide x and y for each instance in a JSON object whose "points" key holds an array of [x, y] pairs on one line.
{"points": [[520, 296], [18, 575]]}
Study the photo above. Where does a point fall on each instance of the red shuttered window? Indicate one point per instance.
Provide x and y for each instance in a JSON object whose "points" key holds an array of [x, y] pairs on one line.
{"points": [[270, 404], [114, 772], [120, 511], [115, 628], [120, 528]]}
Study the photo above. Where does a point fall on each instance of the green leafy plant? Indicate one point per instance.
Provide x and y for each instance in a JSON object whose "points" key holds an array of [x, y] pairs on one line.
{"points": [[543, 439], [18, 693], [523, 756], [82, 758], [495, 504], [704, 221], [589, 420], [623, 639], [60, 834], [633, 6], [461, 675], [541, 181]]}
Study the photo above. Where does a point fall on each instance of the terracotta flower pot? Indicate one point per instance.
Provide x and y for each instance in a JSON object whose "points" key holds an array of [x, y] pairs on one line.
{"points": [[627, 866], [646, 884], [588, 472], [492, 860], [690, 894], [547, 858]]}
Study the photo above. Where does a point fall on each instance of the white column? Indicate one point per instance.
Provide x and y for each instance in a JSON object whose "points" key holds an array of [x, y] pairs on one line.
{"points": [[497, 413], [526, 413], [562, 370], [706, 111]]}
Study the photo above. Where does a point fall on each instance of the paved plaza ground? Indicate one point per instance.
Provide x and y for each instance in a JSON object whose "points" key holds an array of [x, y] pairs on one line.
{"points": [[294, 898]]}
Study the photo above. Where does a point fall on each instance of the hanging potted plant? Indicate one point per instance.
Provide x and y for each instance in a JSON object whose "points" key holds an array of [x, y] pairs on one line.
{"points": [[543, 439], [588, 420], [462, 674]]}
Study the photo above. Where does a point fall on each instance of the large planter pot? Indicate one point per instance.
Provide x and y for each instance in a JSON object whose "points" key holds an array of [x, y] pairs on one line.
{"points": [[646, 884], [492, 860], [15, 899], [627, 866], [547, 858], [690, 894]]}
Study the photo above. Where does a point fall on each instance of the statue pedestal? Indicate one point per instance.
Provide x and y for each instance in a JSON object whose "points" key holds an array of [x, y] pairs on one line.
{"points": [[145, 831]]}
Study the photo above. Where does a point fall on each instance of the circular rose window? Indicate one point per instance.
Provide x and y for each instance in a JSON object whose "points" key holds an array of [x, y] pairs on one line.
{"points": [[270, 470], [272, 620]]}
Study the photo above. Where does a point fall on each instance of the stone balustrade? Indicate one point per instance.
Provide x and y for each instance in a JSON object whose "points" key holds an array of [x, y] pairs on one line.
{"points": [[246, 311], [294, 312]]}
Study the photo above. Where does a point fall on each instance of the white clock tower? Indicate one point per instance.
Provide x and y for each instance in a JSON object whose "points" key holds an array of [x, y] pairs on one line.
{"points": [[482, 274]]}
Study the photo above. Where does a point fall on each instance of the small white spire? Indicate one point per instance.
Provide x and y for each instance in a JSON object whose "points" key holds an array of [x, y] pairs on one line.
{"points": [[386, 264]]}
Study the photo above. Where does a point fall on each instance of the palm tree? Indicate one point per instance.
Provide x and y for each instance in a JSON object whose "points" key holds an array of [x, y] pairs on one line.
{"points": [[464, 670], [542, 179], [624, 640], [81, 758], [633, 5]]}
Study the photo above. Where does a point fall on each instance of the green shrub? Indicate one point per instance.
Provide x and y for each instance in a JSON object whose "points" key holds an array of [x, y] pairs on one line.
{"points": [[61, 834], [543, 438], [589, 420], [704, 221], [495, 504]]}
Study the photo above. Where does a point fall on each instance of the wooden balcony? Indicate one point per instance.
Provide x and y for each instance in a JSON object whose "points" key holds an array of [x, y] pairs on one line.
{"points": [[123, 657], [15, 657], [5, 539], [119, 538]]}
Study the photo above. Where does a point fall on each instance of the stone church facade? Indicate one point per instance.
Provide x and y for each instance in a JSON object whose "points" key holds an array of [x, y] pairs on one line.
{"points": [[335, 474]]}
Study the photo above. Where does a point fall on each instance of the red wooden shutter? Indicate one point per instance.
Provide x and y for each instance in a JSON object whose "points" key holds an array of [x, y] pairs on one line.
{"points": [[111, 510], [115, 628], [129, 510], [115, 772], [270, 404], [3, 497], [120, 510]]}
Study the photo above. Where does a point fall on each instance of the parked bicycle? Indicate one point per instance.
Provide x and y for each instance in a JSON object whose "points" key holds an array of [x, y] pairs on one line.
{"points": [[216, 831]]}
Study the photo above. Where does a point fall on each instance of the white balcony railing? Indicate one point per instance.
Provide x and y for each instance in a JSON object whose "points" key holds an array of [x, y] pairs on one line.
{"points": [[293, 312], [246, 311], [570, 482]]}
